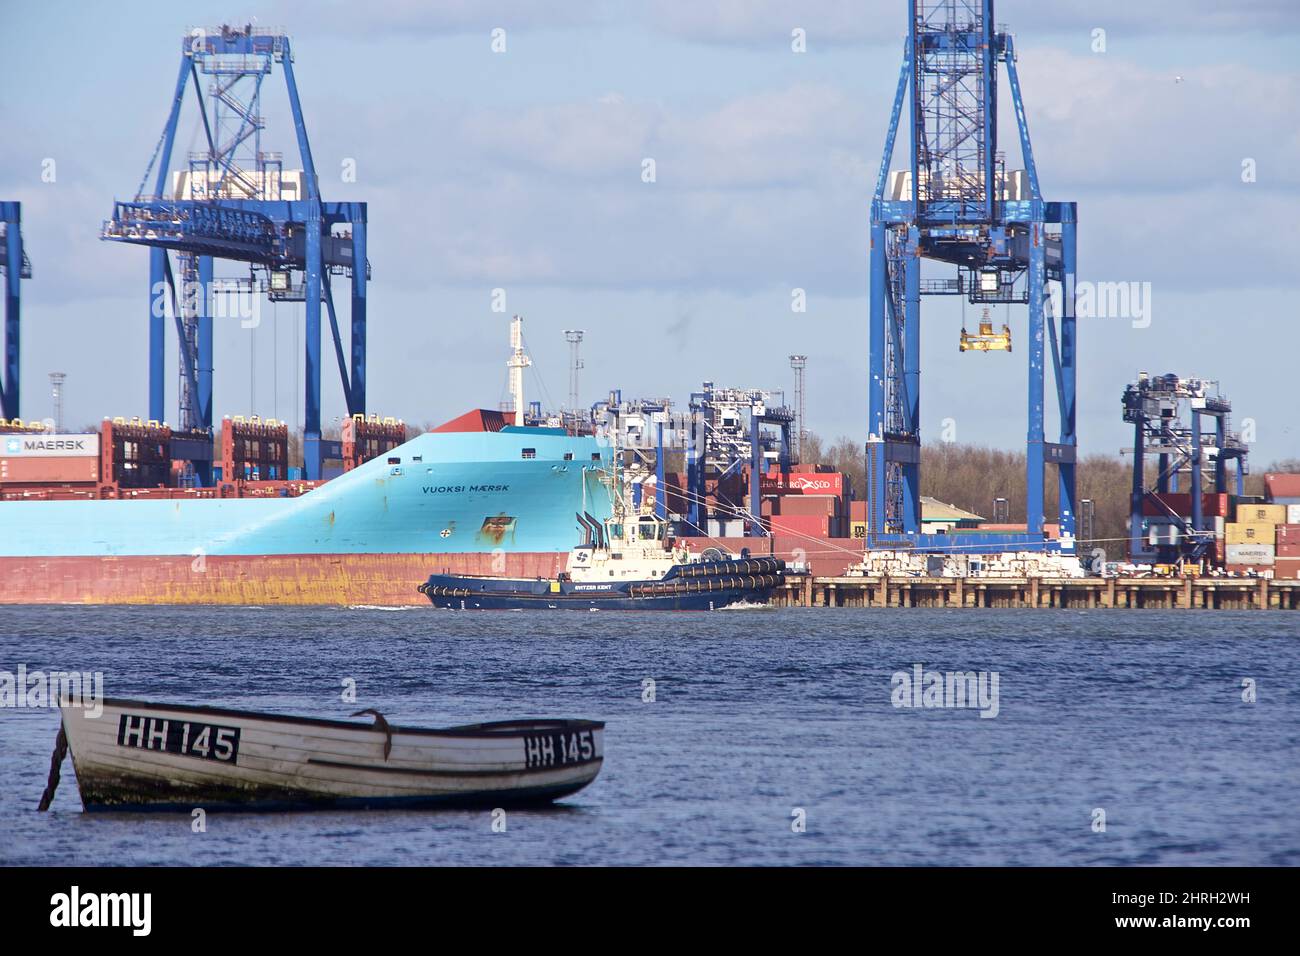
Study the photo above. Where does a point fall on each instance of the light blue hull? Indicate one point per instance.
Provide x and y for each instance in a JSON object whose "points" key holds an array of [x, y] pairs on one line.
{"points": [[450, 493]]}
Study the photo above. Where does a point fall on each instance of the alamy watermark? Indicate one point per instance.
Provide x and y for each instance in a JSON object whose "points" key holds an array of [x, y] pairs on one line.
{"points": [[1108, 300], [47, 688], [947, 689], [224, 299], [75, 908]]}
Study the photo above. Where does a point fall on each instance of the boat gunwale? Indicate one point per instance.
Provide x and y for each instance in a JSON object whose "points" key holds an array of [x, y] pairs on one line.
{"points": [[496, 729]]}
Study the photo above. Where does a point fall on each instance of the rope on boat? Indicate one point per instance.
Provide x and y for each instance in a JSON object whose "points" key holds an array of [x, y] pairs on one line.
{"points": [[56, 761], [380, 724]]}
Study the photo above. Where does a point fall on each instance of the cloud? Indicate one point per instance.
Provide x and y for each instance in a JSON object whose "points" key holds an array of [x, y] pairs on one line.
{"points": [[768, 189], [1155, 16], [772, 188], [445, 17], [748, 189], [770, 22], [841, 22], [761, 23], [1103, 121]]}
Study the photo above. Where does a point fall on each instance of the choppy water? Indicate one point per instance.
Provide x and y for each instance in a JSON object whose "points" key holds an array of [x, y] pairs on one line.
{"points": [[756, 713]]}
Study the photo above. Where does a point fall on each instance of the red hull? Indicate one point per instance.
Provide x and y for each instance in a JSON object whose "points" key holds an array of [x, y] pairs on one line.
{"points": [[342, 579]]}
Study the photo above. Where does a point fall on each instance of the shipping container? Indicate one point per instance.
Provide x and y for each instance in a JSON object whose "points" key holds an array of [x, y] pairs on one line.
{"points": [[53, 469], [1288, 568], [858, 528], [816, 526], [803, 483], [726, 528], [1290, 550], [1260, 554], [1293, 514], [1180, 504], [1258, 532], [805, 505], [1288, 534], [51, 446], [1261, 514], [1163, 532]]}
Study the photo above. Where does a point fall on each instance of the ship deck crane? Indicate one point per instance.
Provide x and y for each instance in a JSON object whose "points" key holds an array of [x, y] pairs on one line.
{"points": [[236, 202], [956, 203]]}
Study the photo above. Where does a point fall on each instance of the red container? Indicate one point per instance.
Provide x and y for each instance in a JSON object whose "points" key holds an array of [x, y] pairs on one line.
{"points": [[1175, 503], [815, 526], [803, 483], [1180, 504], [1288, 568], [800, 505], [51, 470], [1288, 534], [1290, 550]]}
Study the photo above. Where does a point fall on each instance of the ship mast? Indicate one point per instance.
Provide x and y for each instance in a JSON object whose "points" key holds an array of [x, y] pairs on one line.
{"points": [[619, 513], [517, 362]]}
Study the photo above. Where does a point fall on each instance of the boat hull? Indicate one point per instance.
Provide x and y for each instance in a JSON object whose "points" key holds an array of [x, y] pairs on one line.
{"points": [[700, 586], [139, 756], [695, 601]]}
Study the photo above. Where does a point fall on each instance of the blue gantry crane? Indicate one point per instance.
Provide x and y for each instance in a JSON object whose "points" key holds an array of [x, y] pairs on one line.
{"points": [[957, 204], [232, 200], [16, 266]]}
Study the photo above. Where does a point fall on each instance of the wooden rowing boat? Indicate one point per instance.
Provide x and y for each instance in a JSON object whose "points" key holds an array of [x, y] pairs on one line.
{"points": [[137, 755]]}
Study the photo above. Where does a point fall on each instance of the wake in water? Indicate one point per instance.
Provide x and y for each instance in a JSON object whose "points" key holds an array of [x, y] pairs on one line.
{"points": [[748, 606], [382, 607]]}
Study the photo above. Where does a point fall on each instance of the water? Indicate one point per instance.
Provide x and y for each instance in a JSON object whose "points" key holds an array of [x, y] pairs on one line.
{"points": [[756, 713]]}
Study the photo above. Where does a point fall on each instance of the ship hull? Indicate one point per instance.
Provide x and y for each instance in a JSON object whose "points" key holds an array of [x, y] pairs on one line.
{"points": [[502, 504], [337, 579]]}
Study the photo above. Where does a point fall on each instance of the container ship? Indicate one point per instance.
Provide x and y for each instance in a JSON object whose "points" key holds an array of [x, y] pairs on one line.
{"points": [[96, 518]]}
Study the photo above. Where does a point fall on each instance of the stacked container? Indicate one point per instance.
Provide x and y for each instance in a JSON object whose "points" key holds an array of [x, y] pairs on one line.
{"points": [[809, 504], [1287, 560], [1251, 540], [42, 459]]}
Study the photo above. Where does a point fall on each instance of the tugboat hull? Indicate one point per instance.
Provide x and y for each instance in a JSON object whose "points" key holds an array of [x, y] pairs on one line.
{"points": [[694, 601], [690, 587]]}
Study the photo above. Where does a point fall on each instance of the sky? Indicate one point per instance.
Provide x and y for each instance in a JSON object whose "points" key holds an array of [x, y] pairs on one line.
{"points": [[522, 170]]}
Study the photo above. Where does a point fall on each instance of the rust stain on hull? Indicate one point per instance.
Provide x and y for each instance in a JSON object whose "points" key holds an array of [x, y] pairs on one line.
{"points": [[338, 579], [496, 529]]}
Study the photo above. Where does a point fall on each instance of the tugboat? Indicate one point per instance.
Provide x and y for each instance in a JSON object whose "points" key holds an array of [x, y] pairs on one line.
{"points": [[625, 565]]}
